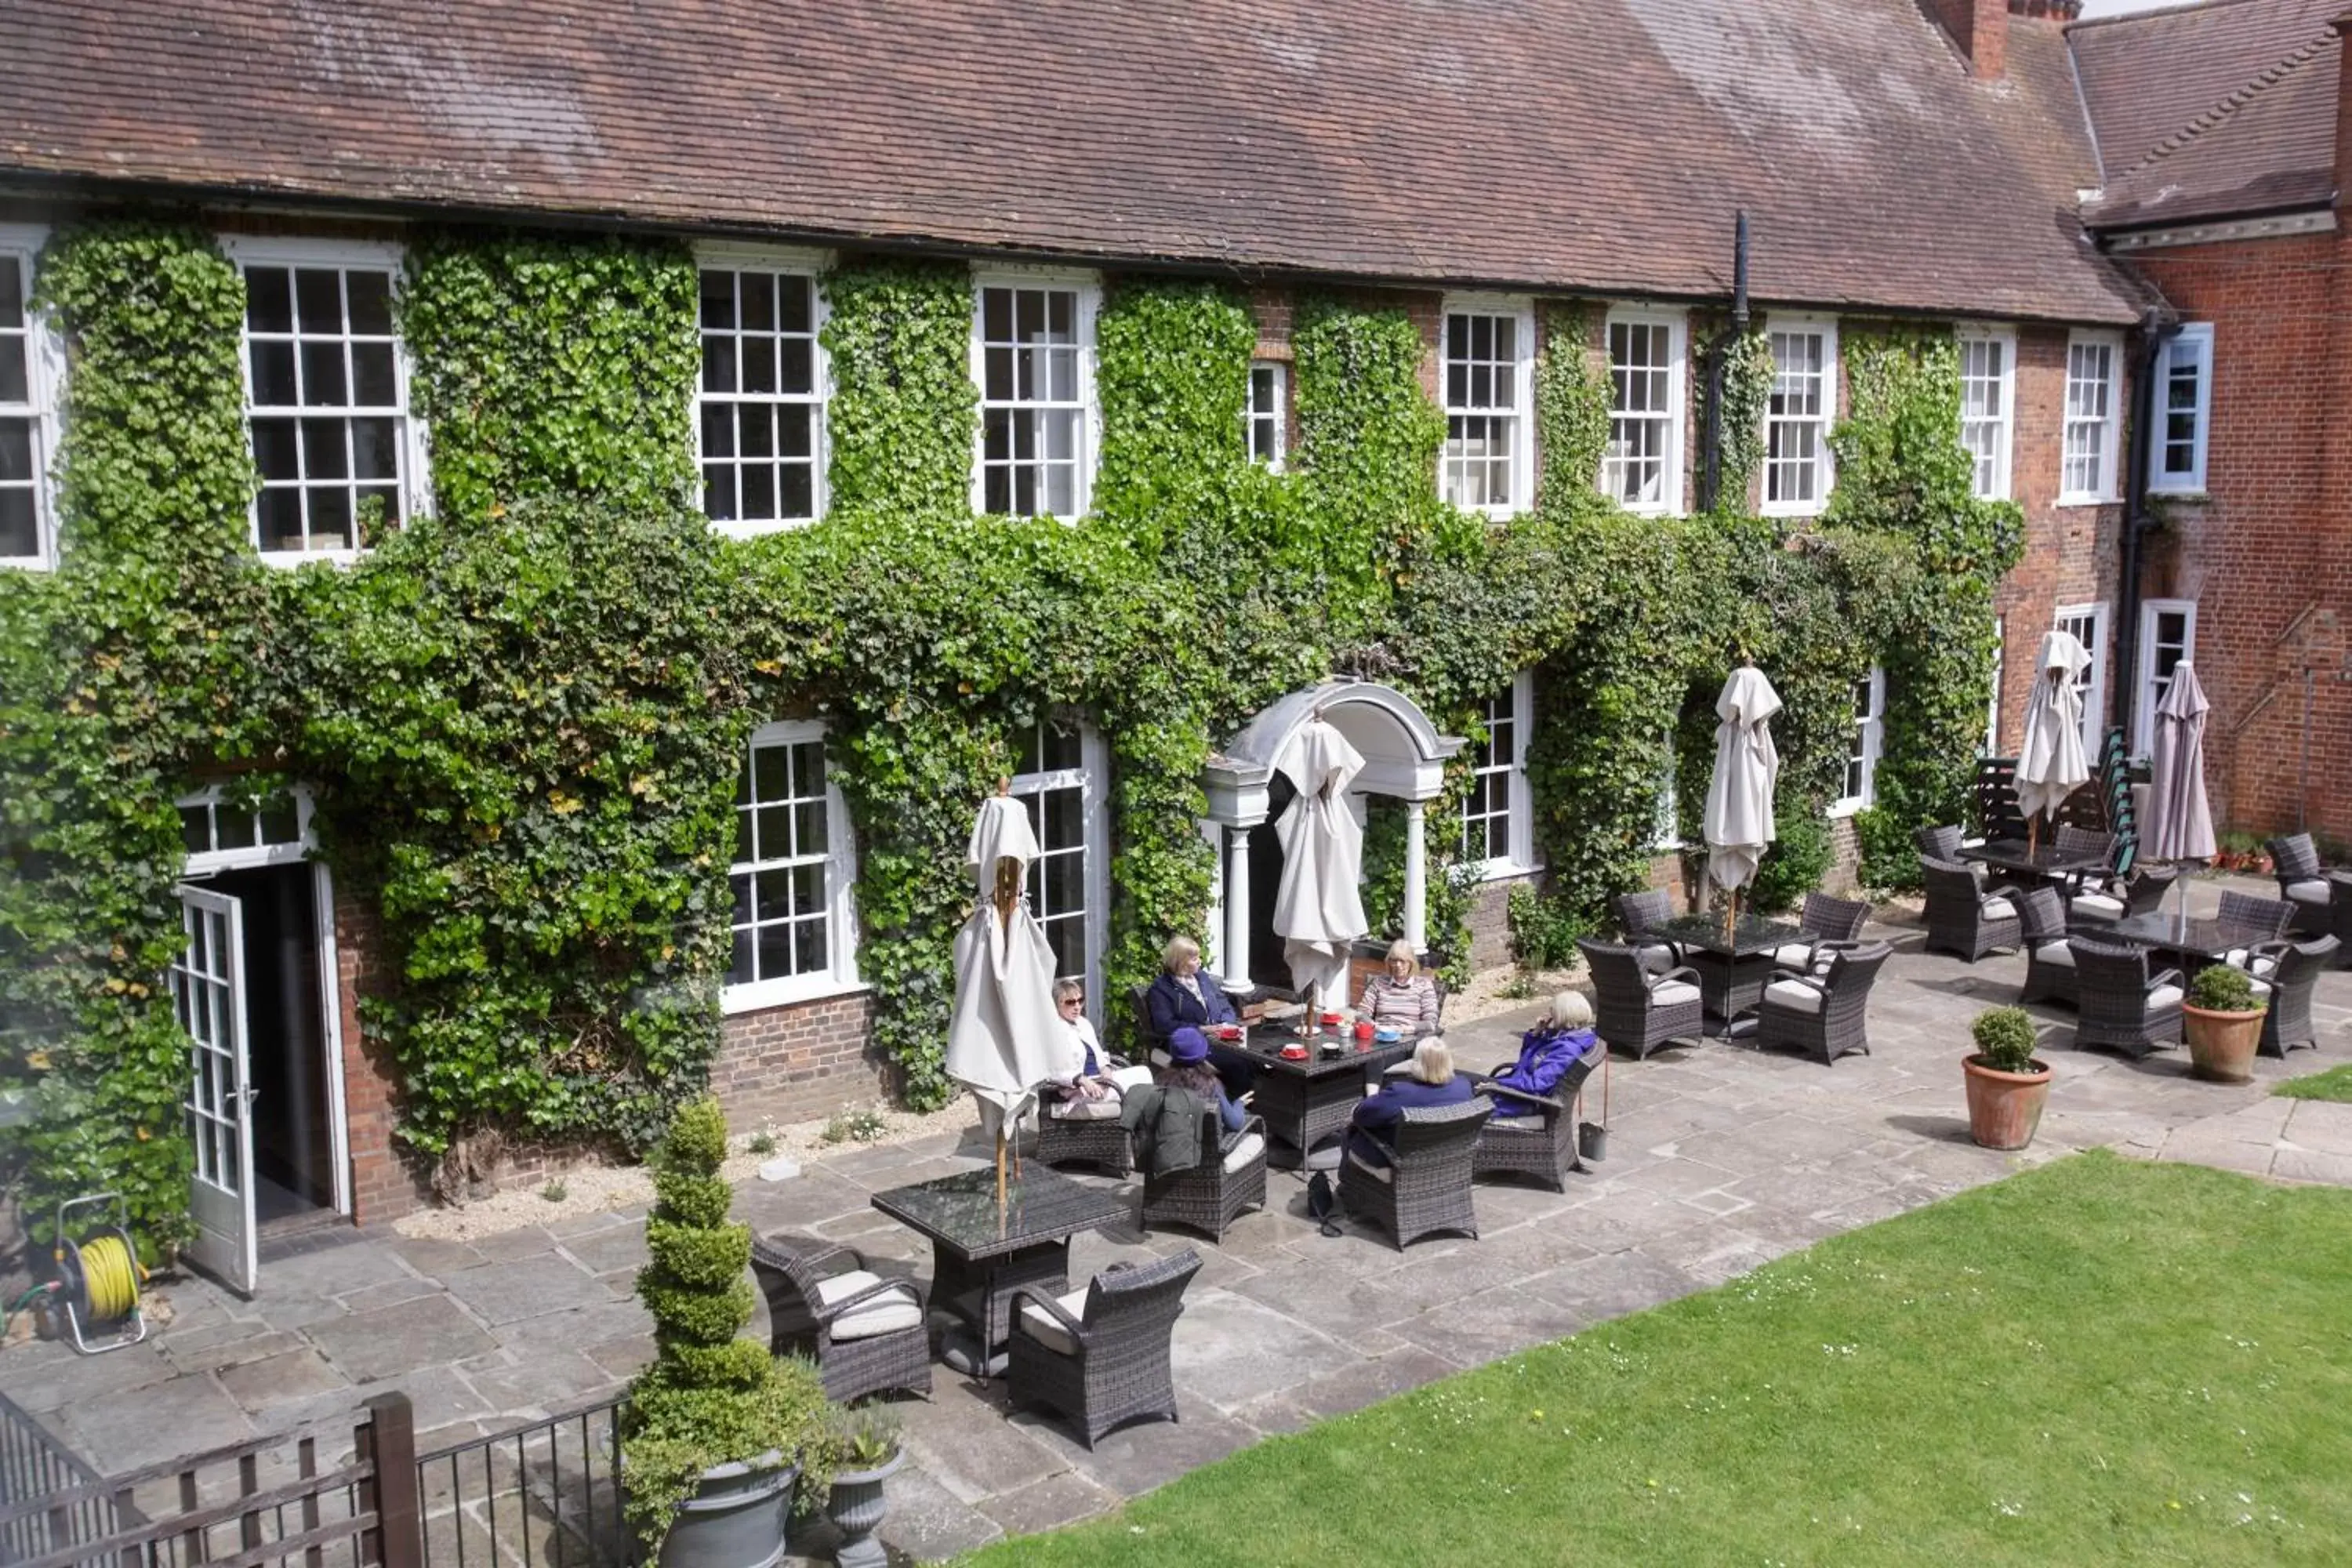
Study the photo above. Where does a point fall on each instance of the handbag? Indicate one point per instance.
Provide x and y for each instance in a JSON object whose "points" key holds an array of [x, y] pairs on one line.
{"points": [[1323, 1204]]}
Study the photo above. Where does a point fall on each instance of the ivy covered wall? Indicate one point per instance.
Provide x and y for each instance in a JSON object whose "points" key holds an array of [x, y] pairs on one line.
{"points": [[523, 716]]}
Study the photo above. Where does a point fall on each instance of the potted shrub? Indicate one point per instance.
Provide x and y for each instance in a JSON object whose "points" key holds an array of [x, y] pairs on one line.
{"points": [[716, 1431], [866, 1453], [2006, 1087], [2221, 1020]]}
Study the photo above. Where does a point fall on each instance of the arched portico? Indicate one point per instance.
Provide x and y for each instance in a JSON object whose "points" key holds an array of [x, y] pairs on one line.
{"points": [[1404, 756]]}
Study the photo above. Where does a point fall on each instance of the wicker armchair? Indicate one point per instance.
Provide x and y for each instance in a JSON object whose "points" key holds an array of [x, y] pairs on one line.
{"points": [[1100, 1354], [1638, 1010], [2247, 923], [867, 1333], [2048, 960], [2144, 893], [1938, 842], [1825, 1013], [1962, 917], [1640, 914], [1826, 923], [1091, 1134], [2121, 1004], [1230, 1178], [2080, 843], [1425, 1186], [2302, 881], [1539, 1139], [2294, 971]]}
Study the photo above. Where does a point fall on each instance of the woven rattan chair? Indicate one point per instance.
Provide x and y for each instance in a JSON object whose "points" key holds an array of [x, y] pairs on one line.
{"points": [[1826, 923], [1539, 1139], [1641, 914], [1961, 917], [1824, 1014], [1091, 1137], [2143, 893], [2048, 960], [1938, 842], [2121, 1005], [1230, 1178], [2075, 842], [1636, 1009], [2302, 882], [2295, 969], [2248, 921], [1100, 1354], [867, 1333], [1425, 1187]]}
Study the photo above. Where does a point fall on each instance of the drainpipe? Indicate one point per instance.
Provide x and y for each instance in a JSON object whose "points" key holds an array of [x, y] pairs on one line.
{"points": [[2156, 329], [1710, 474]]}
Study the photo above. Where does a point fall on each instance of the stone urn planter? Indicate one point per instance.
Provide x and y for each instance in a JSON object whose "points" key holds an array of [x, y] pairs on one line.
{"points": [[857, 1508], [2007, 1085], [2221, 1024], [735, 1518]]}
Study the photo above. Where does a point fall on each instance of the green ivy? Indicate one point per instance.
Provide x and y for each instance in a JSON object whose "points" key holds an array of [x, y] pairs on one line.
{"points": [[903, 407]]}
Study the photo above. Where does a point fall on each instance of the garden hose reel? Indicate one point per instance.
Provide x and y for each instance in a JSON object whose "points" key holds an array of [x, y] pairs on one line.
{"points": [[99, 1277]]}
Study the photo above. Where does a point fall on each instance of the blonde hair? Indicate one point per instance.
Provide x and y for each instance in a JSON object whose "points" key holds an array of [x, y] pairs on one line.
{"points": [[1571, 1010], [1177, 947], [1403, 949], [1433, 1062]]}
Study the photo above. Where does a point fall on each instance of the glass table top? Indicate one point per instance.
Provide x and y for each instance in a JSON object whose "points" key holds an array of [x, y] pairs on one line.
{"points": [[1750, 934], [2011, 855], [1041, 1205]]}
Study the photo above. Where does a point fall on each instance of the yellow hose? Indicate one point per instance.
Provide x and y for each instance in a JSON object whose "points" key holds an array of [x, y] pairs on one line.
{"points": [[110, 1274]]}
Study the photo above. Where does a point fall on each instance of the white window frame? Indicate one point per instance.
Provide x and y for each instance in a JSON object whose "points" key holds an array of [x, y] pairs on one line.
{"points": [[1824, 460], [1677, 324], [206, 863], [45, 364], [1276, 419], [250, 250], [2000, 663], [1665, 832], [813, 265], [1519, 801], [1520, 309], [2110, 426], [2004, 424], [841, 873], [1873, 727], [1092, 778], [1088, 288], [2194, 346], [2145, 696], [2094, 684]]}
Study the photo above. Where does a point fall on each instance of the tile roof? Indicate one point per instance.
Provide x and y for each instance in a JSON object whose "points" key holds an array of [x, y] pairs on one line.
{"points": [[1596, 145], [2224, 110]]}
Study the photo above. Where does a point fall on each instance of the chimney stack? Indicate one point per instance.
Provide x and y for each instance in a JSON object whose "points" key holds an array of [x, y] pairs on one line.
{"points": [[1981, 29]]}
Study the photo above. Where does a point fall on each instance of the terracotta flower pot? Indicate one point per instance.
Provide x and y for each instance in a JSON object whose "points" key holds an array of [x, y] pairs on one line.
{"points": [[2222, 1045], [2005, 1108]]}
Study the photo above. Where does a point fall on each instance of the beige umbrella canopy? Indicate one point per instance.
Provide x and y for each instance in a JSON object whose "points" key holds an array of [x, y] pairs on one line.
{"points": [[2051, 765], [1737, 822], [1004, 1034], [2179, 818], [1317, 911]]}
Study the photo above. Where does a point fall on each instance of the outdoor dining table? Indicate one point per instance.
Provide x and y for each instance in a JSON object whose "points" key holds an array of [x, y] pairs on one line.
{"points": [[2042, 861], [2207, 941], [981, 1254], [1733, 966], [1306, 1102]]}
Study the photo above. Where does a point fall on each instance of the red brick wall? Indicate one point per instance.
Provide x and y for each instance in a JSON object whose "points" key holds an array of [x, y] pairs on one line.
{"points": [[797, 1063], [383, 1186], [2267, 554]]}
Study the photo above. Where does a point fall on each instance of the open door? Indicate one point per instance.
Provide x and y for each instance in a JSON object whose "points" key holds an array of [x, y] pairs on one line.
{"points": [[208, 990]]}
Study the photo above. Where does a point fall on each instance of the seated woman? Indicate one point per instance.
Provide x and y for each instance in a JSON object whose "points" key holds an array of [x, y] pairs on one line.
{"points": [[1401, 997], [1185, 993], [1558, 1042], [1189, 1068], [1092, 1078], [1430, 1082]]}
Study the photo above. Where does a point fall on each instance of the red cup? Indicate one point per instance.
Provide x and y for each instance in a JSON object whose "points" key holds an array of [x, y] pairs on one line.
{"points": [[1293, 1053], [1331, 1017], [1229, 1031], [1364, 1032]]}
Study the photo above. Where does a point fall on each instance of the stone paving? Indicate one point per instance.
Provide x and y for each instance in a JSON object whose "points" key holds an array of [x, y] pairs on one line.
{"points": [[1720, 1159]]}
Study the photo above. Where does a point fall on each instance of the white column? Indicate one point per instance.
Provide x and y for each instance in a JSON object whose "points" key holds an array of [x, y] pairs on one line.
{"points": [[1237, 911], [1212, 958], [1416, 876]]}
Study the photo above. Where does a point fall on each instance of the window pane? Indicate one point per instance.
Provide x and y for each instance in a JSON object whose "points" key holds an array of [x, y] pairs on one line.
{"points": [[323, 456], [280, 518], [373, 383], [16, 385], [719, 300], [319, 301], [20, 532], [273, 375], [375, 453], [323, 375], [268, 299], [331, 519], [370, 302]]}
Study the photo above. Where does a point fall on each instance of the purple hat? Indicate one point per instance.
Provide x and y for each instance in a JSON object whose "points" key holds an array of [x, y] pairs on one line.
{"points": [[1189, 1044]]}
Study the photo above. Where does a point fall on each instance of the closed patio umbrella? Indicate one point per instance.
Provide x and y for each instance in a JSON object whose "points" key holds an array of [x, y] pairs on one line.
{"points": [[2052, 765], [2179, 819], [1738, 822], [1317, 911], [1005, 1037]]}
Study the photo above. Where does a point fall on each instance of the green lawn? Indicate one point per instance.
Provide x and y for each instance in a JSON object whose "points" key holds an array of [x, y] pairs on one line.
{"points": [[2336, 1083], [2099, 1360]]}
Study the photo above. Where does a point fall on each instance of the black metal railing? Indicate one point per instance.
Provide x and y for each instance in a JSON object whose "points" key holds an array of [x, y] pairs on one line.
{"points": [[34, 1466], [545, 1496]]}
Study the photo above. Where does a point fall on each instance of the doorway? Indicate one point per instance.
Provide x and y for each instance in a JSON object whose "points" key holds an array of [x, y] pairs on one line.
{"points": [[286, 1044]]}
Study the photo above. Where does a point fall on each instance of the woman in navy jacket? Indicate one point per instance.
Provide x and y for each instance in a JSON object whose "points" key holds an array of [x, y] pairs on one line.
{"points": [[1430, 1082], [1185, 993]]}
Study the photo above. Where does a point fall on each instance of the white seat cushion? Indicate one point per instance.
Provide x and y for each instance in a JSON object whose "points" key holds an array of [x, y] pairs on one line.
{"points": [[1238, 1157], [2236, 957], [1793, 956], [1655, 956], [2262, 990], [1795, 998], [1042, 1327], [888, 1314], [2099, 906], [2315, 890], [1998, 909], [2055, 953], [1103, 1110], [1130, 1077], [1673, 993], [1377, 1173], [2259, 965], [2163, 996]]}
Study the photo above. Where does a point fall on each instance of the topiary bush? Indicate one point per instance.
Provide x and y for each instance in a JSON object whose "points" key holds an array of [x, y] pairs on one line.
{"points": [[710, 1397], [2005, 1039]]}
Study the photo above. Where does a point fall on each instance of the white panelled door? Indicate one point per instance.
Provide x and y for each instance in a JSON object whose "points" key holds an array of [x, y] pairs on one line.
{"points": [[208, 991]]}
